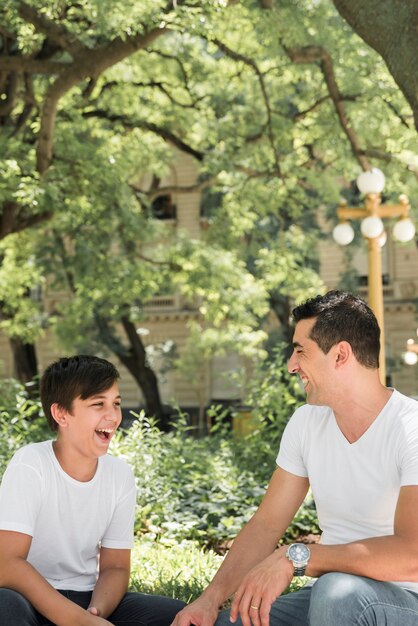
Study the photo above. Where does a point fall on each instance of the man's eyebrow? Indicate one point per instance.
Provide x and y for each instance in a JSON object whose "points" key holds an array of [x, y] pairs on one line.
{"points": [[296, 344]]}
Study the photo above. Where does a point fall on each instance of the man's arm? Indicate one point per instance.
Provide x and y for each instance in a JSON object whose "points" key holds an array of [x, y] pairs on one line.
{"points": [[19, 575], [254, 545], [391, 558], [112, 584]]}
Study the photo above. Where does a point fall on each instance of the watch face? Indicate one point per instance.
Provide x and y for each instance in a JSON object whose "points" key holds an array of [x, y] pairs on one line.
{"points": [[298, 553]]}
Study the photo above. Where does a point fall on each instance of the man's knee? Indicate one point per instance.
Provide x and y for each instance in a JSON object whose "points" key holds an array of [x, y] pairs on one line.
{"points": [[336, 598], [15, 609]]}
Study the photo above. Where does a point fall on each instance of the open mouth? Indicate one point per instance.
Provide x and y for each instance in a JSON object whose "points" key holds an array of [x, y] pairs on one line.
{"points": [[302, 381], [104, 434]]}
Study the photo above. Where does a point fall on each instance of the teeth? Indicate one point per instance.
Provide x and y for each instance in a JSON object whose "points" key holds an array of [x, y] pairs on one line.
{"points": [[104, 430]]}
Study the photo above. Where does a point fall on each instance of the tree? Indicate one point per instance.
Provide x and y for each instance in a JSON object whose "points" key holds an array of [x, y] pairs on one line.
{"points": [[389, 27], [273, 102]]}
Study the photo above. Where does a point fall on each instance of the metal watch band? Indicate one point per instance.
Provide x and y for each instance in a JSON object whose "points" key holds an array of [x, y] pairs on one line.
{"points": [[300, 571]]}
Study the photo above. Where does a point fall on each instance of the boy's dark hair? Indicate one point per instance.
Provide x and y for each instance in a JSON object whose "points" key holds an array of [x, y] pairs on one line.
{"points": [[72, 377], [341, 316]]}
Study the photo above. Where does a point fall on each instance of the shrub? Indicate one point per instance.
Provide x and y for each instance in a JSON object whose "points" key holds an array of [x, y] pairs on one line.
{"points": [[199, 489], [21, 420]]}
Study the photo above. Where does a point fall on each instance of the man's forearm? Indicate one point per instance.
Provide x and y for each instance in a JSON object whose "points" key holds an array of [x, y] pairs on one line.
{"points": [[255, 542], [390, 558], [110, 588]]}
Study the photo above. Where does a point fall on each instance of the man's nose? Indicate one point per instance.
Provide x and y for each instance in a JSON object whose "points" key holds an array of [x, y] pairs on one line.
{"points": [[292, 364]]}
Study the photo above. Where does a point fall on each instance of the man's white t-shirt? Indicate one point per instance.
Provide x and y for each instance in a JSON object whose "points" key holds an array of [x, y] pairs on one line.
{"points": [[68, 520], [355, 486]]}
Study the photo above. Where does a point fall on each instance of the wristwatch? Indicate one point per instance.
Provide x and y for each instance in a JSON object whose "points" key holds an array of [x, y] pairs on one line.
{"points": [[299, 555]]}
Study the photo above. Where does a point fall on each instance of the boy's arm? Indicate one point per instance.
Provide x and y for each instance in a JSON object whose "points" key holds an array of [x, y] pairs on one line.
{"points": [[19, 575], [112, 584]]}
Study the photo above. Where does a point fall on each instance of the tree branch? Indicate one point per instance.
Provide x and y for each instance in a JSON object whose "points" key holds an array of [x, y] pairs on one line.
{"points": [[12, 221], [251, 63], [56, 33], [86, 64], [312, 54], [165, 133]]}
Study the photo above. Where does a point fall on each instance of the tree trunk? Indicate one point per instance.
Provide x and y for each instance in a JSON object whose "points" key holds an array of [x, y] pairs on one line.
{"points": [[25, 362], [280, 305], [390, 27], [134, 358]]}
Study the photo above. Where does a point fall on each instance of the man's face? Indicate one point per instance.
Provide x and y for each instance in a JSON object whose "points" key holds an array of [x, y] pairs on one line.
{"points": [[311, 365], [92, 422]]}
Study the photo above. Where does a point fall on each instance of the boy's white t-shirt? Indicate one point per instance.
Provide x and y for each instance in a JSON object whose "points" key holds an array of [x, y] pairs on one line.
{"points": [[355, 486], [68, 520]]}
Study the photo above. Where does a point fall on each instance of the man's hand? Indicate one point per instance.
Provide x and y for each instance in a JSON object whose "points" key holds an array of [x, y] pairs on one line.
{"points": [[260, 588], [201, 612]]}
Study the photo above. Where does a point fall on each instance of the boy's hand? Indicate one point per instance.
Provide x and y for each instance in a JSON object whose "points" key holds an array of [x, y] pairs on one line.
{"points": [[95, 620], [93, 610]]}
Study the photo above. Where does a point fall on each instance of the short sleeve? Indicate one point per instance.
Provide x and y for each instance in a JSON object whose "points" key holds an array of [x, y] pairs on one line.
{"points": [[409, 456], [120, 532], [290, 456], [20, 498]]}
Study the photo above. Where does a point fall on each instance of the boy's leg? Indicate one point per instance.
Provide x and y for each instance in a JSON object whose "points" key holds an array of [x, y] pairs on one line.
{"points": [[289, 610], [16, 610], [349, 600], [143, 609]]}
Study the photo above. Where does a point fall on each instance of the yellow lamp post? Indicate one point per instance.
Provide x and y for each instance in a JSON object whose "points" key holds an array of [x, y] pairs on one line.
{"points": [[371, 184]]}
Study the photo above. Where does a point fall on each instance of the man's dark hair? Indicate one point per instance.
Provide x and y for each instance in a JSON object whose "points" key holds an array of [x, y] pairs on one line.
{"points": [[72, 377], [342, 316]]}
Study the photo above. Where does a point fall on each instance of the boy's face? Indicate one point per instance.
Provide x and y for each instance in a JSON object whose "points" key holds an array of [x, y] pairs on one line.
{"points": [[92, 422]]}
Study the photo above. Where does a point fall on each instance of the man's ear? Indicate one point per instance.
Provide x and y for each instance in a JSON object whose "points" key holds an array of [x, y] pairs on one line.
{"points": [[343, 352], [59, 414]]}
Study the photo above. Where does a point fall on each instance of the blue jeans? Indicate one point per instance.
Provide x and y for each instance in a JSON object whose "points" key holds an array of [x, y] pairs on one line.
{"points": [[135, 609], [342, 600]]}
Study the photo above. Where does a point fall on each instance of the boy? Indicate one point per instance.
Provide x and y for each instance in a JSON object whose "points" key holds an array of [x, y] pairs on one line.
{"points": [[67, 513]]}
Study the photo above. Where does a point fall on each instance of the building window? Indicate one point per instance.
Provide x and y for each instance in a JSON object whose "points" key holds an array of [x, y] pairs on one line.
{"points": [[163, 208]]}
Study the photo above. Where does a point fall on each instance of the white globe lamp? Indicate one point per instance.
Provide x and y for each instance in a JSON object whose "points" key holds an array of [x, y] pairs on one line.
{"points": [[404, 230], [343, 234], [372, 181], [410, 358], [371, 227]]}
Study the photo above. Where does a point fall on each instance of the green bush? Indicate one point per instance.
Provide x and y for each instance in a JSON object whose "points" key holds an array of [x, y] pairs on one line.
{"points": [[200, 489], [21, 420]]}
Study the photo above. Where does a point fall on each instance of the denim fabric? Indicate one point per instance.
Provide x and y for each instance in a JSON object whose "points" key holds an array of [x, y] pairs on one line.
{"points": [[342, 600], [135, 609]]}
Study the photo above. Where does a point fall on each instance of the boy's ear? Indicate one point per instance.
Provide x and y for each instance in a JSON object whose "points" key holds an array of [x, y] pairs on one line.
{"points": [[59, 414]]}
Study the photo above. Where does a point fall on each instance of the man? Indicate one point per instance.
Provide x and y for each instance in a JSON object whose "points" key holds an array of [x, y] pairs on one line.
{"points": [[67, 513], [355, 443]]}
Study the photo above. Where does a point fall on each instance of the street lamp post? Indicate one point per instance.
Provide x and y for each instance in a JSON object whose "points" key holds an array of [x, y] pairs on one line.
{"points": [[371, 184]]}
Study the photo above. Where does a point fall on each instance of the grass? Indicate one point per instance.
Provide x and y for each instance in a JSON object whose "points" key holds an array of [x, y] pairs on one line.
{"points": [[180, 570]]}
